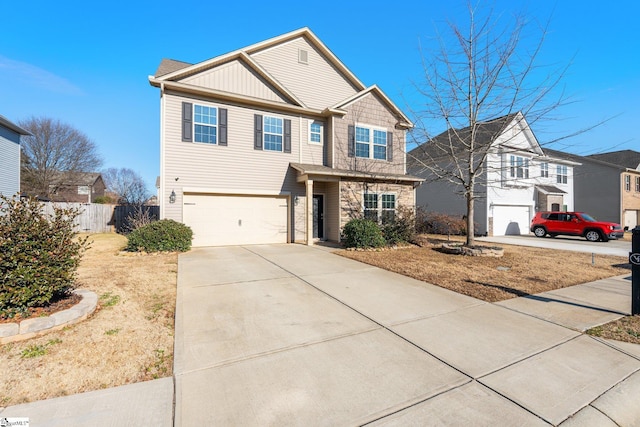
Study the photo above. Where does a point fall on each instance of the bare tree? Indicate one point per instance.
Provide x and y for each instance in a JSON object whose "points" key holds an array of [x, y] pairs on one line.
{"points": [[479, 72], [127, 185], [53, 153]]}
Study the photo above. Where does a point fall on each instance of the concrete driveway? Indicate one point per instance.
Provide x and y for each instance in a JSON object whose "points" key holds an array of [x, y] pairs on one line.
{"points": [[620, 247], [295, 335]]}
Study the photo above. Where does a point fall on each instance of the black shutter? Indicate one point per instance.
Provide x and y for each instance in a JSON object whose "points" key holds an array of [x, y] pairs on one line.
{"points": [[222, 126], [187, 121], [287, 136], [352, 140], [257, 133], [389, 146]]}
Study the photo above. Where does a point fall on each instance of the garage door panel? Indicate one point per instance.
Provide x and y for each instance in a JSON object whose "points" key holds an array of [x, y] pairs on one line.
{"points": [[511, 220], [219, 220]]}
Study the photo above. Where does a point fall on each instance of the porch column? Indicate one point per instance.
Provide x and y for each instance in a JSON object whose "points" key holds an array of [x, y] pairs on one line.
{"points": [[309, 215]]}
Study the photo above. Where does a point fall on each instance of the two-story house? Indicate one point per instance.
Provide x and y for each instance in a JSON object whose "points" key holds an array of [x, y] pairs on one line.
{"points": [[10, 135], [515, 180], [607, 185], [277, 142]]}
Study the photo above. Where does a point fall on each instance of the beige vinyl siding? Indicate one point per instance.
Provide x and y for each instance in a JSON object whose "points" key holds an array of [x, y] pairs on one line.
{"points": [[235, 167], [236, 77], [309, 82], [9, 165], [311, 153], [332, 211], [369, 110]]}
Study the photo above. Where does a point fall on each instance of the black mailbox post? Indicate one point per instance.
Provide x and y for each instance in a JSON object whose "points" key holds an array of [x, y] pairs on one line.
{"points": [[634, 259]]}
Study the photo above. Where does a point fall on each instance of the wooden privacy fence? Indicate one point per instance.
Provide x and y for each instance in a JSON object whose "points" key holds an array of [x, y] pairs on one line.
{"points": [[99, 218]]}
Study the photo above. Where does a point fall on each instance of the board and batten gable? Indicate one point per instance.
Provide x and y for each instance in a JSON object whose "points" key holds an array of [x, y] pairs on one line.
{"points": [[236, 167], [309, 80], [9, 162], [236, 77], [368, 110]]}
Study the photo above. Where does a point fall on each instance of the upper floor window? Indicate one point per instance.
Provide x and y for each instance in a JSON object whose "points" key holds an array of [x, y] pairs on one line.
{"points": [[544, 170], [370, 143], [379, 207], [627, 182], [637, 184], [519, 167], [561, 174], [205, 123], [316, 131], [273, 133], [83, 189]]}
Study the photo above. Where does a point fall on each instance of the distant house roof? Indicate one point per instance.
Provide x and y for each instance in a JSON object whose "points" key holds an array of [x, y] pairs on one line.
{"points": [[14, 127], [455, 139], [78, 178], [629, 159], [581, 159], [169, 66]]}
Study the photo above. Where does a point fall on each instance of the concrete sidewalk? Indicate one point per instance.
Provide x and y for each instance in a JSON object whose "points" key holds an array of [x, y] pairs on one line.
{"points": [[295, 335]]}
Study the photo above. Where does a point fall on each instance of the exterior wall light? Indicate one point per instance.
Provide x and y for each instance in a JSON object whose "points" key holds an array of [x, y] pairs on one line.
{"points": [[172, 197]]}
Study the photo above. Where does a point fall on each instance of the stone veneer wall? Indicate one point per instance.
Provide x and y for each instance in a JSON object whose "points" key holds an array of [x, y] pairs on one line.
{"points": [[351, 194]]}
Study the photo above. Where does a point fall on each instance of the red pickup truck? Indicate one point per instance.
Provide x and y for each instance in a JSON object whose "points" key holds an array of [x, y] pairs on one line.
{"points": [[574, 224]]}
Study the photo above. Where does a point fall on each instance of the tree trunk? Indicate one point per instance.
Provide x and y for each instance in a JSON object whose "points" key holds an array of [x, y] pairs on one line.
{"points": [[470, 214]]}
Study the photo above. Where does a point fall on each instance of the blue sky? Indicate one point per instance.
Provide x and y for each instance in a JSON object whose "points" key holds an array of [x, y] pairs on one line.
{"points": [[86, 63]]}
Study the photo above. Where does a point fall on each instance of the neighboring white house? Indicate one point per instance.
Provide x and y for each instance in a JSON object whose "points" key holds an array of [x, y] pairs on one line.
{"points": [[10, 135], [518, 179]]}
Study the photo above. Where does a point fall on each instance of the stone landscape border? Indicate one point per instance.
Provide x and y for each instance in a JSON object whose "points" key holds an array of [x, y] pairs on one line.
{"points": [[37, 326]]}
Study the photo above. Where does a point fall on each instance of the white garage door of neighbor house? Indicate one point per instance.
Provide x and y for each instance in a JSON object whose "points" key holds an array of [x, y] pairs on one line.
{"points": [[220, 220], [511, 220], [631, 219]]}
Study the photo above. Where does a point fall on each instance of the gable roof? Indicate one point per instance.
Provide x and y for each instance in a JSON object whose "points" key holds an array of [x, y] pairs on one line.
{"points": [[170, 72], [12, 126], [453, 141], [629, 159], [78, 178], [302, 32]]}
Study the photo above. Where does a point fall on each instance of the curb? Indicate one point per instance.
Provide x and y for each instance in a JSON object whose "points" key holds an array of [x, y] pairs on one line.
{"points": [[31, 328]]}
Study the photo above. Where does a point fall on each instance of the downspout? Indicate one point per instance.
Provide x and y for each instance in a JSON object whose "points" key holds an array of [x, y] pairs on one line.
{"points": [[299, 139], [161, 195]]}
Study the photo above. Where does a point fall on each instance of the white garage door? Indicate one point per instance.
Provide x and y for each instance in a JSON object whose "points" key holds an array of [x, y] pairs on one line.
{"points": [[219, 220], [631, 219], [511, 220]]}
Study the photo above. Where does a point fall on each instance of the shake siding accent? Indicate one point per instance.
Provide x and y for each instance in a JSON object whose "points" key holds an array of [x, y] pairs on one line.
{"points": [[234, 167], [9, 164], [370, 111], [309, 82], [236, 77]]}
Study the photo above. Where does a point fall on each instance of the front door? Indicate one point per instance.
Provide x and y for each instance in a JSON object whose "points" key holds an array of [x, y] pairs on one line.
{"points": [[318, 216]]}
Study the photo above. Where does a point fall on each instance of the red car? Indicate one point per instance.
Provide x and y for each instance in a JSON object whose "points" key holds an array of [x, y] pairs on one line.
{"points": [[574, 224]]}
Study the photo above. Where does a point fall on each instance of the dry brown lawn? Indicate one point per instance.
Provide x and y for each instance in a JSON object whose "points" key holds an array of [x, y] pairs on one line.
{"points": [[128, 339], [521, 271]]}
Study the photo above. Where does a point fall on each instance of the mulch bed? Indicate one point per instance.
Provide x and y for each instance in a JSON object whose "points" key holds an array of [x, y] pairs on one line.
{"points": [[54, 307]]}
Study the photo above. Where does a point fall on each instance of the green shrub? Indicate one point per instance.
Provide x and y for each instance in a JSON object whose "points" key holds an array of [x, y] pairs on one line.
{"points": [[39, 254], [399, 229], [159, 236], [362, 233]]}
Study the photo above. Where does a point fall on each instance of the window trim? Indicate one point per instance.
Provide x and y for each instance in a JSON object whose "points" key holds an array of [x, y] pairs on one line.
{"points": [[195, 123], [544, 170], [627, 182], [371, 142], [310, 132], [562, 174], [379, 208], [265, 133], [637, 184], [515, 166]]}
